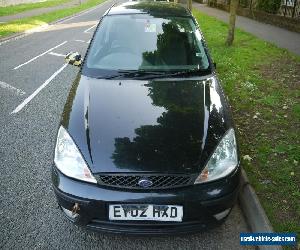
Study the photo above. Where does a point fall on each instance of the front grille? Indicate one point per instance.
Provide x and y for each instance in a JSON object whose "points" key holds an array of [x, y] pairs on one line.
{"points": [[132, 181]]}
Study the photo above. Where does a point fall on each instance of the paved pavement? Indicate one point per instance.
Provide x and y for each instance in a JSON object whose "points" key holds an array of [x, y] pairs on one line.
{"points": [[40, 11], [34, 84], [281, 37]]}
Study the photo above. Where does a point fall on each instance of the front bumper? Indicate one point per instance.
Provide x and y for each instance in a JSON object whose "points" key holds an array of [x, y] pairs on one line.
{"points": [[200, 204]]}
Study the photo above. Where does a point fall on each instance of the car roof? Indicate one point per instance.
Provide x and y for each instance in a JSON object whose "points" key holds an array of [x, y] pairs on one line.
{"points": [[149, 7]]}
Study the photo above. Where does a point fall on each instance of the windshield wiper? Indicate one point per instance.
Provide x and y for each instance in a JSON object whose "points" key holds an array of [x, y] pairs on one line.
{"points": [[191, 72], [134, 73], [144, 74]]}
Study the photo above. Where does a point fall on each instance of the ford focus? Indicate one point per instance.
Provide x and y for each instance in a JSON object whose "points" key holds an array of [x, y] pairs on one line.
{"points": [[146, 143]]}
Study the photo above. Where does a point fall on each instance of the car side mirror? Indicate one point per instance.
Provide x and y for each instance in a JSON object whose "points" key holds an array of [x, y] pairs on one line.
{"points": [[74, 58], [215, 65]]}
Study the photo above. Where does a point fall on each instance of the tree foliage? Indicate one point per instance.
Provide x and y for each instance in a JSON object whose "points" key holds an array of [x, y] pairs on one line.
{"points": [[270, 6]]}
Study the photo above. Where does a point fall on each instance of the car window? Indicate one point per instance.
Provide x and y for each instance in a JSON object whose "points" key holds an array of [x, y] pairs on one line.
{"points": [[144, 42]]}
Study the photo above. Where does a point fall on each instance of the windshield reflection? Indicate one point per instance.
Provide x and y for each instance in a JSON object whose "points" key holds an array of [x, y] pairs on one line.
{"points": [[145, 42]]}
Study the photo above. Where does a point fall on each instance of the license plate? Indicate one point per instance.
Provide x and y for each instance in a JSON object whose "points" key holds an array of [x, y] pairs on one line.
{"points": [[145, 212]]}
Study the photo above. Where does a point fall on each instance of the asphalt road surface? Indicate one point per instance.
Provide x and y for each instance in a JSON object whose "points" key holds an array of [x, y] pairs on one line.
{"points": [[34, 83]]}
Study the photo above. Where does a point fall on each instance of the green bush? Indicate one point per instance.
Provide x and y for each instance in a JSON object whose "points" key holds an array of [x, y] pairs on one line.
{"points": [[270, 6]]}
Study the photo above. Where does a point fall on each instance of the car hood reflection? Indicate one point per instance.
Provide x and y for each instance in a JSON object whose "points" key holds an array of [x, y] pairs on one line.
{"points": [[162, 126]]}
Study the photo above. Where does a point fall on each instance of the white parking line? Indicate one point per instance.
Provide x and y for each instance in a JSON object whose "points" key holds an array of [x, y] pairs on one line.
{"points": [[81, 41], [9, 87], [56, 54], [29, 98], [44, 53], [87, 30]]}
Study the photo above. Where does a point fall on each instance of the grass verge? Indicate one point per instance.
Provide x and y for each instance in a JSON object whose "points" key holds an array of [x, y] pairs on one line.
{"points": [[262, 82], [15, 9], [24, 24]]}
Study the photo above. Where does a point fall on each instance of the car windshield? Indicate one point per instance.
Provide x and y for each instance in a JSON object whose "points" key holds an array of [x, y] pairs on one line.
{"points": [[144, 42]]}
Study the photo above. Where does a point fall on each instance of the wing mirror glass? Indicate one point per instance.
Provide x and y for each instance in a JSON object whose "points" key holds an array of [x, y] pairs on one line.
{"points": [[74, 58]]}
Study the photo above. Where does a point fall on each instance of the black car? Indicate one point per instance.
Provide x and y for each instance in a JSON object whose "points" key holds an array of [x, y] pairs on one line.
{"points": [[146, 143]]}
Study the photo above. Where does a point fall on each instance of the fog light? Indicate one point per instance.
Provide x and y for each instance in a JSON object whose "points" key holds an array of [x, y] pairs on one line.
{"points": [[70, 214], [222, 215]]}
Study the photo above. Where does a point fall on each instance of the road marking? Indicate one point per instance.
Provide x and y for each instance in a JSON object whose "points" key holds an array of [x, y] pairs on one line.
{"points": [[29, 98], [56, 54], [44, 53], [9, 87], [87, 30], [81, 41]]}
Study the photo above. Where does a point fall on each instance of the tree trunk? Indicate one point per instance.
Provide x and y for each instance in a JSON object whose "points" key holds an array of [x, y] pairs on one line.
{"points": [[233, 8], [189, 4], [175, 1]]}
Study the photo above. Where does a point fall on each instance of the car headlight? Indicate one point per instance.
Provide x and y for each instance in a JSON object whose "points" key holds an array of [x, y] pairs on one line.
{"points": [[223, 161], [69, 160]]}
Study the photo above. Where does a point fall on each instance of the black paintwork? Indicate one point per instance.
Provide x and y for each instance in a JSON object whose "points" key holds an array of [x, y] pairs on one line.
{"points": [[159, 125], [165, 126]]}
